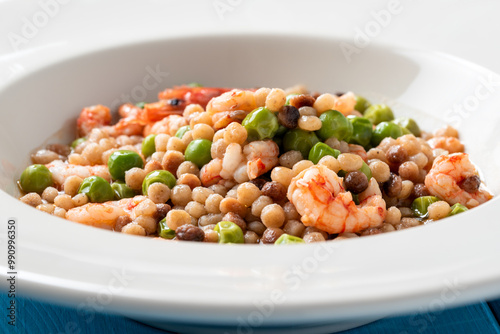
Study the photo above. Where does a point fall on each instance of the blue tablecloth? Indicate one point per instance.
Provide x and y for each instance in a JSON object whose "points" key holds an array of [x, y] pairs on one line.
{"points": [[39, 317]]}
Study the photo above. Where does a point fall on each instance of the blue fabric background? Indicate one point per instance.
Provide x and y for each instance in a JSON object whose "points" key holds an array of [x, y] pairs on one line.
{"points": [[39, 317]]}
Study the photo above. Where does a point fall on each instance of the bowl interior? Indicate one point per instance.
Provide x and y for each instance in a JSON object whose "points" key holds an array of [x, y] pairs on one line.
{"points": [[42, 106]]}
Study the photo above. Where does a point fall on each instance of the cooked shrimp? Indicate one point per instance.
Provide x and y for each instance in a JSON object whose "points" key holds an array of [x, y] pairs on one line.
{"points": [[62, 170], [130, 123], [451, 144], [262, 156], [192, 95], [221, 106], [174, 101], [320, 198], [358, 150], [99, 116], [446, 131], [232, 159], [92, 117], [448, 174], [223, 119], [105, 214], [345, 103], [168, 125], [210, 173]]}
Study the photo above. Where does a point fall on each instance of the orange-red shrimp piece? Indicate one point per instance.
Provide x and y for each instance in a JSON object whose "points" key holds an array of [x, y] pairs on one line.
{"points": [[174, 101], [235, 99], [210, 173], [345, 103], [445, 176], [62, 170], [320, 198], [104, 215], [131, 122], [451, 144], [262, 156], [92, 117]]}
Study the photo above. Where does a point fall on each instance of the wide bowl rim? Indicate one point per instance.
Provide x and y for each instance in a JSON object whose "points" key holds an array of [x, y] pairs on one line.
{"points": [[392, 298]]}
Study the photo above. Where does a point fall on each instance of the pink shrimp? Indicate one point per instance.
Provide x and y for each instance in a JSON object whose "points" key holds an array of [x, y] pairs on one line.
{"points": [[231, 106], [104, 215], [235, 99], [99, 116], [130, 123], [262, 156], [320, 198], [446, 176], [451, 144], [173, 101], [134, 119], [92, 117], [345, 103], [210, 173], [358, 150], [62, 170]]}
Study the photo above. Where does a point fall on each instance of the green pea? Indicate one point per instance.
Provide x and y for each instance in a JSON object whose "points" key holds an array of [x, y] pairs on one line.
{"points": [[408, 124], [281, 131], [140, 105], [229, 233], [164, 231], [383, 130], [35, 178], [334, 124], [261, 124], [320, 150], [366, 170], [97, 189], [299, 140], [199, 152], [77, 142], [355, 198], [162, 176], [121, 161], [361, 104], [288, 97], [288, 239], [182, 130], [378, 113], [148, 145], [457, 208], [278, 137], [194, 84], [121, 190], [405, 131], [421, 204], [362, 130]]}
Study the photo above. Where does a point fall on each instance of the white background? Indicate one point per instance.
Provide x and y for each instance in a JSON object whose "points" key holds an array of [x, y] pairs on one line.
{"points": [[467, 29]]}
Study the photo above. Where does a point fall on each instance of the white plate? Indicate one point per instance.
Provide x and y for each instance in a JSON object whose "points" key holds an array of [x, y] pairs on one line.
{"points": [[325, 286]]}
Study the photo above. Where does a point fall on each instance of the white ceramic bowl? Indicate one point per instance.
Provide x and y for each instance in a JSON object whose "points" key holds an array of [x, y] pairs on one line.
{"points": [[321, 287]]}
